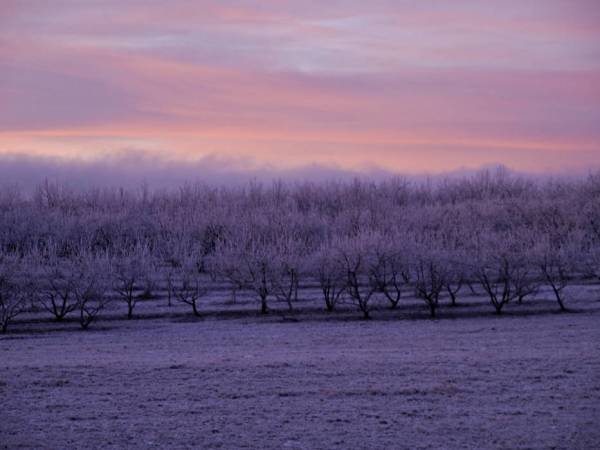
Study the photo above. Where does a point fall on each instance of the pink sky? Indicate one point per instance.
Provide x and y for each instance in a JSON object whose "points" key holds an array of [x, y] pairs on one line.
{"points": [[407, 86]]}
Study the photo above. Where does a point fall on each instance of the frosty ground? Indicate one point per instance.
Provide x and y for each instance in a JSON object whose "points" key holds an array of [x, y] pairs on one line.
{"points": [[234, 379]]}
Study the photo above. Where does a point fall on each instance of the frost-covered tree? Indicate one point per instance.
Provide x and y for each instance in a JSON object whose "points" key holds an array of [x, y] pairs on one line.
{"points": [[465, 230], [389, 271], [247, 260], [257, 269], [355, 259], [429, 268], [55, 287], [591, 258], [190, 287], [14, 290], [133, 274], [287, 267], [330, 275], [497, 265], [558, 264], [92, 287]]}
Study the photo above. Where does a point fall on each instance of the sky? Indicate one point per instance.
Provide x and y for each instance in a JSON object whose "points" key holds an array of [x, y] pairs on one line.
{"points": [[288, 85]]}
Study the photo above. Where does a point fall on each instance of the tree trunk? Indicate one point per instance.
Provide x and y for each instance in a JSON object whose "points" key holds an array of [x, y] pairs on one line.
{"points": [[296, 287], [263, 305], [129, 311], [393, 301], [84, 321], [452, 297], [195, 309], [169, 292], [85, 318], [329, 297], [559, 299], [432, 309]]}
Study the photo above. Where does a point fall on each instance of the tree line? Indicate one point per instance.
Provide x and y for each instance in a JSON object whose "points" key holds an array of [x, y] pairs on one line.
{"points": [[70, 252]]}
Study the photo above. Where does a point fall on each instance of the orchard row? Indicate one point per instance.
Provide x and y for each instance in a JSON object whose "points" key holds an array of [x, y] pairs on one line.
{"points": [[70, 252]]}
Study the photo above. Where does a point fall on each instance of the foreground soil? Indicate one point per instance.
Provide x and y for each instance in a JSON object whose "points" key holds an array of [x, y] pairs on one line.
{"points": [[514, 382]]}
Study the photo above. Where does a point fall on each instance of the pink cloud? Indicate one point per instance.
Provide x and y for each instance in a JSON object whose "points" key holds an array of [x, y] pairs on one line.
{"points": [[293, 82]]}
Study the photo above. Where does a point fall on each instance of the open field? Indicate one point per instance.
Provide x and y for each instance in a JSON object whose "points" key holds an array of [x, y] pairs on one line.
{"points": [[234, 379]]}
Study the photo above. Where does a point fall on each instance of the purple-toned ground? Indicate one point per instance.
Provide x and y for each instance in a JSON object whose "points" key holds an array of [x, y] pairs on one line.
{"points": [[527, 380]]}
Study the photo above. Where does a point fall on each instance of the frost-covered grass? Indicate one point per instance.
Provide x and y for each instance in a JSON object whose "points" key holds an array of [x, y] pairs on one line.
{"points": [[470, 379]]}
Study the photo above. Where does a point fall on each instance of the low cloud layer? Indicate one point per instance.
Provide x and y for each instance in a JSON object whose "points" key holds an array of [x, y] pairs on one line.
{"points": [[131, 170], [135, 169]]}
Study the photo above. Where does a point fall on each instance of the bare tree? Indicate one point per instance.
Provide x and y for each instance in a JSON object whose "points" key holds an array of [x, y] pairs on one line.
{"points": [[455, 274], [13, 291], [258, 271], [429, 281], [453, 285], [169, 279], [287, 267], [149, 281], [190, 289], [389, 273], [495, 277], [170, 253], [225, 264], [92, 287], [131, 274], [354, 259], [331, 277], [254, 260], [429, 269], [557, 261], [525, 280], [592, 258], [56, 287], [497, 265]]}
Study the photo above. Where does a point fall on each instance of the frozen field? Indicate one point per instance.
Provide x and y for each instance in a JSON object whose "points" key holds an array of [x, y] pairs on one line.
{"points": [[528, 379]]}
